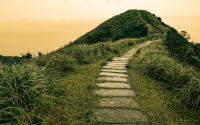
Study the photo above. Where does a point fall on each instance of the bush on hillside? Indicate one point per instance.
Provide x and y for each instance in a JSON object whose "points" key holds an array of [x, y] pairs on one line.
{"points": [[59, 63], [22, 92], [181, 49], [28, 55]]}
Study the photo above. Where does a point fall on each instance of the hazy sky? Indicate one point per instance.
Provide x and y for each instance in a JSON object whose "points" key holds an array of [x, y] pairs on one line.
{"points": [[45, 25], [71, 10]]}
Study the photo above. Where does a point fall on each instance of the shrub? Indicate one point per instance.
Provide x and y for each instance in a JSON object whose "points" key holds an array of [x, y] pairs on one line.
{"points": [[180, 48], [62, 64], [22, 92], [28, 55]]}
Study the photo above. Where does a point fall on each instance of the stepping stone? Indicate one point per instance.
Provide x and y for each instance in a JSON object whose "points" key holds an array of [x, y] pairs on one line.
{"points": [[114, 70], [113, 74], [115, 93], [118, 116], [114, 79], [127, 56], [114, 67], [115, 85], [121, 59], [116, 63], [118, 103]]}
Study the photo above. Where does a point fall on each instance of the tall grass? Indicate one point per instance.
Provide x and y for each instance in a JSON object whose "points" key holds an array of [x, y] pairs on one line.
{"points": [[67, 59], [182, 79], [27, 90], [22, 92]]}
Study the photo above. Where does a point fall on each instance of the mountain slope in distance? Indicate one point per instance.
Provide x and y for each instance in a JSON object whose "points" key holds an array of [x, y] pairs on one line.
{"points": [[132, 23]]}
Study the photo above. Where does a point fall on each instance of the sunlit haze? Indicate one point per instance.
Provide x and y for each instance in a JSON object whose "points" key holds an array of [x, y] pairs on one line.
{"points": [[45, 25]]}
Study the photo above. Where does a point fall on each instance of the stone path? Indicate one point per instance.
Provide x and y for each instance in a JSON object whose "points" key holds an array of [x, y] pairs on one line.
{"points": [[116, 98]]}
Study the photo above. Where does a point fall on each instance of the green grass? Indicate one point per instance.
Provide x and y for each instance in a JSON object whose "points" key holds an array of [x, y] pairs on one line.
{"points": [[73, 100], [130, 24], [156, 100], [56, 88], [22, 91]]}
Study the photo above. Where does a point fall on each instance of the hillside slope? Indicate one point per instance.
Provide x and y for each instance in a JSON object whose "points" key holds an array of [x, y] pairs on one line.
{"points": [[132, 23]]}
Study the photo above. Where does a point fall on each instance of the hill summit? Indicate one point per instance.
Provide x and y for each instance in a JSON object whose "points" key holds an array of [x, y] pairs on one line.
{"points": [[132, 23]]}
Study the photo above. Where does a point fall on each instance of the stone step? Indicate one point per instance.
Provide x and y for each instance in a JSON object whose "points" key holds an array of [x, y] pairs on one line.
{"points": [[114, 70], [125, 61], [113, 67], [115, 85], [128, 103], [115, 93], [114, 79], [117, 116], [113, 74], [116, 65], [127, 56], [120, 59]]}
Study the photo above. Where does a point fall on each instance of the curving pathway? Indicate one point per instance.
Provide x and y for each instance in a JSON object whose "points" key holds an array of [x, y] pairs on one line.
{"points": [[116, 98]]}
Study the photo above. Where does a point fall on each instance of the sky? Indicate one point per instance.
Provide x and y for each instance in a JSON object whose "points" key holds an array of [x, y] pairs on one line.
{"points": [[45, 25], [74, 10]]}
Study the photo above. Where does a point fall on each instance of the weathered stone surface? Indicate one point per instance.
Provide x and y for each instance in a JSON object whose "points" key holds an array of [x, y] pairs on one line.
{"points": [[144, 44], [114, 67], [114, 70], [115, 85], [114, 79], [115, 93], [118, 103], [120, 116], [116, 98], [116, 63], [120, 59], [113, 74]]}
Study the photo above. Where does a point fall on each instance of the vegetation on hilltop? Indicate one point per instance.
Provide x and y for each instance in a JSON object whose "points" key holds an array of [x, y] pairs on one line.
{"points": [[182, 49], [132, 23]]}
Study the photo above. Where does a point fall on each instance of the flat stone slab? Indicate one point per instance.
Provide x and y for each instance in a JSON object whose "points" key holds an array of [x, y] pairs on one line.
{"points": [[114, 67], [116, 85], [118, 116], [114, 70], [116, 63], [118, 103], [113, 74], [114, 79], [115, 93], [121, 59]]}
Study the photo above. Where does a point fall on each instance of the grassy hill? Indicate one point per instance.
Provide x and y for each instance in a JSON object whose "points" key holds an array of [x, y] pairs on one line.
{"points": [[132, 23], [57, 88]]}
